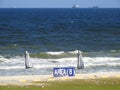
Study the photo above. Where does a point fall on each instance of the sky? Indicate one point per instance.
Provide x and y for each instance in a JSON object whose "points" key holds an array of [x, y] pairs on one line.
{"points": [[59, 3]]}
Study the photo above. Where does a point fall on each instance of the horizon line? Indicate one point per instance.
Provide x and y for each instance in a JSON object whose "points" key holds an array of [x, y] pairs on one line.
{"points": [[59, 7]]}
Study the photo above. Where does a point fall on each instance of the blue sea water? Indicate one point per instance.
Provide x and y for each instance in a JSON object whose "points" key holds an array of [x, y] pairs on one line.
{"points": [[52, 37]]}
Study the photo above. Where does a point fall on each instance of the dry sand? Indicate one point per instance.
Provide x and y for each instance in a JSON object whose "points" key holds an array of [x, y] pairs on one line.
{"points": [[29, 79]]}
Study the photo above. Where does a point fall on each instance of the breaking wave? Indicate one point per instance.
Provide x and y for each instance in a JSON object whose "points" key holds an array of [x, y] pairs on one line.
{"points": [[18, 62], [45, 64]]}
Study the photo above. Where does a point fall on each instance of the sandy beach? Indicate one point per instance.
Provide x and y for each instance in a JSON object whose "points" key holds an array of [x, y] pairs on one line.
{"points": [[29, 79]]}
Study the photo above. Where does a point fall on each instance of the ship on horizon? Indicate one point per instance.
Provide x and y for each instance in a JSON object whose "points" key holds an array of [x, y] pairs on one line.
{"points": [[95, 7], [75, 6]]}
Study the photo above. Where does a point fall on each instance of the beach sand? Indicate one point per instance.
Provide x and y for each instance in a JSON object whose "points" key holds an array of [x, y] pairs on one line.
{"points": [[30, 79]]}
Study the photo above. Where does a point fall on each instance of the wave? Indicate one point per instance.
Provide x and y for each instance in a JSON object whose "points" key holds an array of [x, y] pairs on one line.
{"points": [[17, 62], [55, 55], [101, 61], [94, 60], [67, 54], [2, 59], [12, 67], [62, 52]]}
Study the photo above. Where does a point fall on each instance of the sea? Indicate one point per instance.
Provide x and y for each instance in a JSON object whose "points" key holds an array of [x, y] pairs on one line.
{"points": [[53, 37]]}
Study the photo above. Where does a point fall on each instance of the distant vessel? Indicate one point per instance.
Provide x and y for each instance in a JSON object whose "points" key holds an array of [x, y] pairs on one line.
{"points": [[95, 7], [12, 7], [76, 6]]}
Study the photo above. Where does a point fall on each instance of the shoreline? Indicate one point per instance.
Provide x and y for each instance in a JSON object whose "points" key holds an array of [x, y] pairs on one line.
{"points": [[30, 79]]}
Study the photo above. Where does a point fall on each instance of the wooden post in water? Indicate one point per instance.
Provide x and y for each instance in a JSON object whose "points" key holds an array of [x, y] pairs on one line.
{"points": [[80, 63], [28, 63]]}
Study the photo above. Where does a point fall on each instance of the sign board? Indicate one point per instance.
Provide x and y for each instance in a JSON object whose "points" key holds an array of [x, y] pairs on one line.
{"points": [[64, 71]]}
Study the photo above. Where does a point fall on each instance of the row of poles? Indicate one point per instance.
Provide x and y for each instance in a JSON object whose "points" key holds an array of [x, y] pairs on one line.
{"points": [[80, 63]]}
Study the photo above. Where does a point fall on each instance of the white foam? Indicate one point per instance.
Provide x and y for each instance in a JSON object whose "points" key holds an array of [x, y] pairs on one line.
{"points": [[44, 66], [12, 67], [18, 62], [61, 52], [55, 53], [72, 59], [2, 59], [100, 61], [74, 52]]}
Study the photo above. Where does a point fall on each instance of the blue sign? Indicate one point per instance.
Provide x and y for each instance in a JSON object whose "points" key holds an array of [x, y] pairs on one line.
{"points": [[64, 71]]}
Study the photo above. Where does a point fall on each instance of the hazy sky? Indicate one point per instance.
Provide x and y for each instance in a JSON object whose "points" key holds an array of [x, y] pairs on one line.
{"points": [[59, 3]]}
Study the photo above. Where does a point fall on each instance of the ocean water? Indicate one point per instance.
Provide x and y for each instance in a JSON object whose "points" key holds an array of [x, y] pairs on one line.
{"points": [[53, 36]]}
